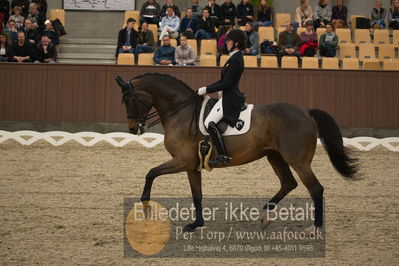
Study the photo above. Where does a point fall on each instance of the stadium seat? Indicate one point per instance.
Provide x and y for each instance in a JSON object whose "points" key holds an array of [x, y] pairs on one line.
{"points": [[146, 59], [347, 50], [208, 47], [182, 14], [132, 14], [269, 62], [362, 36], [250, 61], [300, 30], [208, 60], [391, 64], [344, 35], [173, 42], [154, 29], [320, 31], [310, 62], [396, 38], [282, 19], [330, 63], [350, 63], [58, 13], [386, 51], [242, 28], [381, 37], [289, 62], [223, 60], [266, 34], [371, 64], [125, 59], [366, 51], [193, 43]]}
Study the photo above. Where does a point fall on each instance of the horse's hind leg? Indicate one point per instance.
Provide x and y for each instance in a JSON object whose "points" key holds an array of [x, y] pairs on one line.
{"points": [[315, 189], [284, 173]]}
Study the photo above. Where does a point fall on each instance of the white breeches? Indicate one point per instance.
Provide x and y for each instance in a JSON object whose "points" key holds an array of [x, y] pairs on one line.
{"points": [[164, 32], [216, 113]]}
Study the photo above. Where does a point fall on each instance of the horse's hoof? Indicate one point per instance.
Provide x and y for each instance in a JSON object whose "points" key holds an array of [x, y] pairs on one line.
{"points": [[188, 228], [264, 220]]}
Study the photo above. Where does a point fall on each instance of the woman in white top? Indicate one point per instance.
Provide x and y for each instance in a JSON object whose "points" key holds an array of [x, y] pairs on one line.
{"points": [[5, 46]]}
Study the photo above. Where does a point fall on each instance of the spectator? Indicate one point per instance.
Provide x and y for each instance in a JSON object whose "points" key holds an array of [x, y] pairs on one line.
{"points": [[196, 8], [340, 15], [184, 54], [41, 6], [5, 9], [21, 51], [50, 32], [145, 43], [394, 15], [45, 51], [170, 25], [214, 11], [222, 47], [165, 54], [37, 18], [169, 3], [265, 15], [328, 42], [32, 35], [11, 31], [288, 42], [189, 25], [18, 18], [228, 13], [127, 38], [24, 4], [150, 12], [252, 40], [245, 13], [308, 41], [322, 14], [206, 27], [378, 14], [303, 14], [5, 46]]}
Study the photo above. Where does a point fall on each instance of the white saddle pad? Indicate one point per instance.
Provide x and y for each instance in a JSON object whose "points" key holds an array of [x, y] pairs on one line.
{"points": [[245, 116]]}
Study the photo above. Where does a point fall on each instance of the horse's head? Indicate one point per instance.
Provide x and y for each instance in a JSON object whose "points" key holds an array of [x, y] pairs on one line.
{"points": [[138, 104]]}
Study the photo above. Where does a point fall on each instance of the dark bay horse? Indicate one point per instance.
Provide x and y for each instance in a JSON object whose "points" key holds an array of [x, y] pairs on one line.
{"points": [[284, 133]]}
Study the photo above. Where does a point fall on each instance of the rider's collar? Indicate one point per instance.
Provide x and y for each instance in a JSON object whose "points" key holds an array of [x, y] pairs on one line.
{"points": [[232, 53]]}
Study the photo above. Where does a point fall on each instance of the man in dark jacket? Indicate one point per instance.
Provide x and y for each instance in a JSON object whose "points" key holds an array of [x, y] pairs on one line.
{"points": [[21, 51], [127, 38], [215, 11], [45, 51], [206, 26], [231, 99], [31, 33], [169, 3], [245, 13], [150, 12], [165, 54], [288, 42], [228, 13]]}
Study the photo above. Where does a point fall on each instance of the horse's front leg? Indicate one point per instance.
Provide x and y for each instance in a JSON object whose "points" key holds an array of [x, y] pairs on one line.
{"points": [[195, 183], [170, 167]]}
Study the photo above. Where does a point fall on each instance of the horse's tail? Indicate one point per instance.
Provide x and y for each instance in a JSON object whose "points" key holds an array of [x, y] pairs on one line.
{"points": [[331, 138]]}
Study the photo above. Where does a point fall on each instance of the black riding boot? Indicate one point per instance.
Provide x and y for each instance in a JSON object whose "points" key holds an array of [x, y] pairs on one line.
{"points": [[217, 140]]}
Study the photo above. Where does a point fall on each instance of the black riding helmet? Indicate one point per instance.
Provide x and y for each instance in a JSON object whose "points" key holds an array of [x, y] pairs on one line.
{"points": [[238, 36]]}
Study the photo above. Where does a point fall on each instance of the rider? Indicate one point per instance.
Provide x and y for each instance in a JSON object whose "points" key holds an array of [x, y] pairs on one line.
{"points": [[230, 98]]}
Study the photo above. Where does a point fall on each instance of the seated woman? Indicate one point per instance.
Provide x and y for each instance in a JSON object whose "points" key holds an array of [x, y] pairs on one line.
{"points": [[252, 40], [322, 14], [265, 14], [339, 15], [394, 15], [308, 41], [184, 53], [5, 46], [378, 14], [328, 42], [303, 14]]}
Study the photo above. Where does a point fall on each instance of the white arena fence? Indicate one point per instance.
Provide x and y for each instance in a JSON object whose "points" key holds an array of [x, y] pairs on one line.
{"points": [[150, 140]]}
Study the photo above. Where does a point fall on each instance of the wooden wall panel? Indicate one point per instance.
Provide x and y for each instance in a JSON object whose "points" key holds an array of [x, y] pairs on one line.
{"points": [[89, 93]]}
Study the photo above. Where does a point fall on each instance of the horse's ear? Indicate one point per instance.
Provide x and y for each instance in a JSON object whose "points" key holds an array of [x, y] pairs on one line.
{"points": [[125, 86]]}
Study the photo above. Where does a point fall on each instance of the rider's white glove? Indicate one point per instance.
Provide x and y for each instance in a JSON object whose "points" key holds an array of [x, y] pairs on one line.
{"points": [[220, 94], [201, 91]]}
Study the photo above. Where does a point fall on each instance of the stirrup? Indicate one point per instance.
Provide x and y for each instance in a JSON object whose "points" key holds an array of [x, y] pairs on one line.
{"points": [[220, 160]]}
